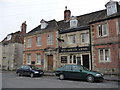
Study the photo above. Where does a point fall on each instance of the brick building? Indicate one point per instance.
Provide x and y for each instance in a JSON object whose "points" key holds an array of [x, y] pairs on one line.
{"points": [[41, 44], [105, 37]]}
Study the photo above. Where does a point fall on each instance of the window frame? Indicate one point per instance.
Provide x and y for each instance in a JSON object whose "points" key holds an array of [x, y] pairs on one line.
{"points": [[29, 42], [72, 39], [104, 55], [50, 39], [39, 42], [85, 38], [28, 57], [38, 63], [101, 30]]}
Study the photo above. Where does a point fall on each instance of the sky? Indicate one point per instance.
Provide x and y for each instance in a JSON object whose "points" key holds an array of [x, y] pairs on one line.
{"points": [[14, 12]]}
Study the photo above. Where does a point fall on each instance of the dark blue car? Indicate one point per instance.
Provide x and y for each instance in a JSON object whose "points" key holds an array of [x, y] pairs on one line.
{"points": [[29, 70]]}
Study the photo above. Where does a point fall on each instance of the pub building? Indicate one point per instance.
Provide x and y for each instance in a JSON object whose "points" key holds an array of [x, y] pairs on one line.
{"points": [[74, 40]]}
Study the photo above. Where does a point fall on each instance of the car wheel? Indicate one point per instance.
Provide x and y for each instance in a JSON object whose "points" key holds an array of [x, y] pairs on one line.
{"points": [[61, 77], [18, 74], [90, 78], [31, 75]]}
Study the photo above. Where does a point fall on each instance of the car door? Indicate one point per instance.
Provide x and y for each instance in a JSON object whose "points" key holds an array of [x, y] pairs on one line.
{"points": [[78, 72], [26, 70], [67, 71]]}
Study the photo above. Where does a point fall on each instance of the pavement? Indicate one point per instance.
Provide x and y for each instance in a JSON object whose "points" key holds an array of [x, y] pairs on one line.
{"points": [[106, 77]]}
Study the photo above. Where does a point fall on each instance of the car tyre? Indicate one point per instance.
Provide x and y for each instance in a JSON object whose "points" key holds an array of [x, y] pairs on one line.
{"points": [[61, 77], [90, 78], [18, 74], [31, 75]]}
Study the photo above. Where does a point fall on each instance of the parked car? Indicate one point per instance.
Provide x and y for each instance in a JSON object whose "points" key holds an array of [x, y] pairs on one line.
{"points": [[29, 70], [78, 72]]}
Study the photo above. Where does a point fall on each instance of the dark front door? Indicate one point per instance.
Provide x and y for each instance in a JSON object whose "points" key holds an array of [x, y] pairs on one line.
{"points": [[86, 61], [50, 62]]}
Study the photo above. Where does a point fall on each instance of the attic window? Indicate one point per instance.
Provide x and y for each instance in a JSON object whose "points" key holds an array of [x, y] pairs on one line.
{"points": [[43, 24], [73, 22], [111, 7], [9, 37]]}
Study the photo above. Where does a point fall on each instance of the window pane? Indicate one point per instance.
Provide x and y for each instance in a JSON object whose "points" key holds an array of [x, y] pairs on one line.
{"points": [[107, 55], [104, 27], [101, 55], [28, 58], [29, 42], [74, 59], [50, 39], [99, 27], [70, 58], [72, 39], [38, 58], [39, 41]]}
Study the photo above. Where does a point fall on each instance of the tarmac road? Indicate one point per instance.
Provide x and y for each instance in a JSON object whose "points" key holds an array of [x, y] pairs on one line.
{"points": [[11, 80]]}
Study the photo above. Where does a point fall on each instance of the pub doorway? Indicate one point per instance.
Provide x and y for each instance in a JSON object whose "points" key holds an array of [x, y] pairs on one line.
{"points": [[50, 62], [85, 61]]}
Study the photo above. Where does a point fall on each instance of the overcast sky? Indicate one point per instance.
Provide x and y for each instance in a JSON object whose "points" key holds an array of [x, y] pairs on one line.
{"points": [[14, 12]]}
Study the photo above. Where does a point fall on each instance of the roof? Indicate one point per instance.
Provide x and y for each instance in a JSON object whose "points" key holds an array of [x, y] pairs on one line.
{"points": [[52, 26], [84, 22], [16, 37]]}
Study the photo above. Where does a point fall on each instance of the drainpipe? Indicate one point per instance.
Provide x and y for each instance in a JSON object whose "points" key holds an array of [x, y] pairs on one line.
{"points": [[90, 45]]}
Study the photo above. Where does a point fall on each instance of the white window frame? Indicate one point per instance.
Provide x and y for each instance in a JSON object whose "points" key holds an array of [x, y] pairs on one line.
{"points": [[29, 42], [50, 39], [39, 41], [85, 37], [73, 23], [109, 58], [72, 39], [28, 59], [100, 30], [38, 59]]}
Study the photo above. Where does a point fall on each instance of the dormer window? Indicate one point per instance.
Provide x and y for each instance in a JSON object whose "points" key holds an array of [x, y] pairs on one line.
{"points": [[9, 37], [111, 7], [73, 22], [44, 24]]}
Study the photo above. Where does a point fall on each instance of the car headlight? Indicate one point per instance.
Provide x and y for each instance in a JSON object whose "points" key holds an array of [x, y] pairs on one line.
{"points": [[36, 72], [98, 75]]}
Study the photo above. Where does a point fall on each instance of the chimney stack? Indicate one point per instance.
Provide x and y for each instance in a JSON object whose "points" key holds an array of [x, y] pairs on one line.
{"points": [[23, 27], [67, 14]]}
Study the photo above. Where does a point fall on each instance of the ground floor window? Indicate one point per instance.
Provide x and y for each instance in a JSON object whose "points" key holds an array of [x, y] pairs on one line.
{"points": [[38, 58], [28, 59], [63, 59], [104, 55]]}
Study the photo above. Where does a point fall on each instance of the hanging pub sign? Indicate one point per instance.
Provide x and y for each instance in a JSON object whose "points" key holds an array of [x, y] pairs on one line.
{"points": [[75, 49]]}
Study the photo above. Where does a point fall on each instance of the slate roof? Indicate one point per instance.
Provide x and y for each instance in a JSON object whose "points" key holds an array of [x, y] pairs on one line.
{"points": [[52, 26], [84, 22]]}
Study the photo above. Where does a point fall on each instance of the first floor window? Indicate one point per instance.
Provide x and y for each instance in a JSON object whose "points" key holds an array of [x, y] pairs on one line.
{"points": [[104, 55], [50, 39], [38, 40], [72, 39], [85, 38], [28, 59], [102, 30], [38, 58], [29, 42]]}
